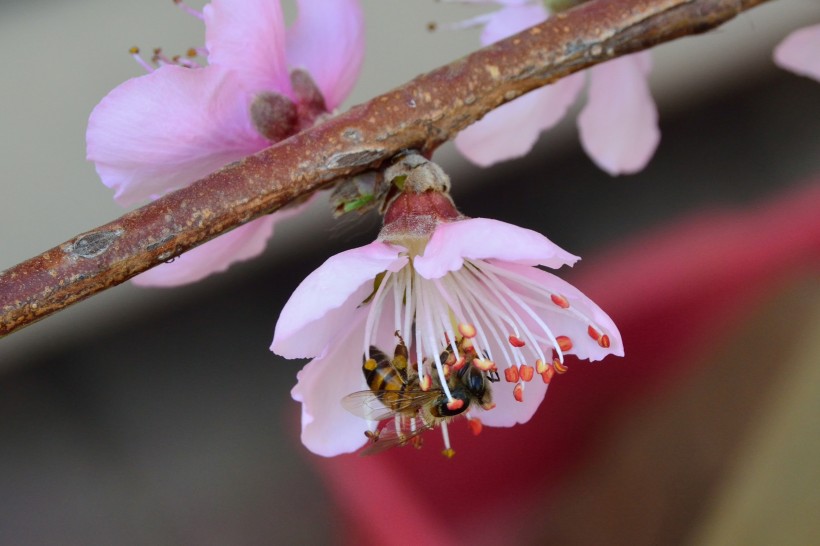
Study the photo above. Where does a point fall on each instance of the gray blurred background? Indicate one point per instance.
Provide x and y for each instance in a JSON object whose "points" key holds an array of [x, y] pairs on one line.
{"points": [[159, 416]]}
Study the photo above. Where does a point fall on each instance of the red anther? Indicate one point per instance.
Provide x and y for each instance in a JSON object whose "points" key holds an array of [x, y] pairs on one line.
{"points": [[560, 301], [483, 364], [516, 342], [518, 392], [425, 383], [459, 363], [593, 333], [467, 330], [475, 426], [604, 341], [511, 374], [547, 375], [455, 404], [541, 366], [564, 343], [416, 442], [526, 372], [559, 366]]}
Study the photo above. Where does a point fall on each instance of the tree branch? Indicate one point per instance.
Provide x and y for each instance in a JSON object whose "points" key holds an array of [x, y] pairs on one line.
{"points": [[421, 114]]}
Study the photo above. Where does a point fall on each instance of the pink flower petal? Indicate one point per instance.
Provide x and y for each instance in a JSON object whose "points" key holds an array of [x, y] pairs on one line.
{"points": [[482, 238], [800, 52], [512, 19], [327, 40], [513, 129], [322, 305], [508, 411], [619, 125], [248, 36], [243, 243], [327, 428], [162, 131], [565, 322]]}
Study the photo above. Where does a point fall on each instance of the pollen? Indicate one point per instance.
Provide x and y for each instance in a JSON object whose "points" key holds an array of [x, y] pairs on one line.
{"points": [[511, 374], [564, 343], [467, 330], [475, 426], [455, 404], [484, 364], [518, 392], [560, 301], [559, 366], [541, 366], [370, 364], [547, 374], [449, 452], [526, 372]]}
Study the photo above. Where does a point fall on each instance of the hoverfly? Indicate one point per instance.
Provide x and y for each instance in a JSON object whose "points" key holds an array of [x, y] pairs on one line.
{"points": [[396, 393]]}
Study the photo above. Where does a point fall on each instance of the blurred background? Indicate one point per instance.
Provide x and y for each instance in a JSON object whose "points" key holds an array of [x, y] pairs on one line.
{"points": [[160, 417]]}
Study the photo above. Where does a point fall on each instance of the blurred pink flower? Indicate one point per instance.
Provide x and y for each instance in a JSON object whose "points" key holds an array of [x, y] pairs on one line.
{"points": [[161, 131], [618, 126], [436, 273], [800, 52]]}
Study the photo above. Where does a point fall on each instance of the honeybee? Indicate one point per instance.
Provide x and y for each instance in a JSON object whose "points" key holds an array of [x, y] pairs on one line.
{"points": [[396, 393]]}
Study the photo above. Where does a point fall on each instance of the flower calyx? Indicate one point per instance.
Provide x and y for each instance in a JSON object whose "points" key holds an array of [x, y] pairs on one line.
{"points": [[417, 201]]}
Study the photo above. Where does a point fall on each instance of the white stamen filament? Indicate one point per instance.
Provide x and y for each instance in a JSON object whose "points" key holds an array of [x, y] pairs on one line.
{"points": [[397, 295], [507, 315], [496, 302], [445, 434], [425, 300], [142, 62], [496, 286], [538, 289], [444, 312], [409, 302], [472, 22], [476, 310], [189, 10], [374, 314]]}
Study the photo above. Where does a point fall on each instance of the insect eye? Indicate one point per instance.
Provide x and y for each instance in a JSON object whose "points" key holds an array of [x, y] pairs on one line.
{"points": [[474, 381]]}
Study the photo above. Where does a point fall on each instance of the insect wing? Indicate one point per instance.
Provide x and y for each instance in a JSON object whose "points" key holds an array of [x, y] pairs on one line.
{"points": [[366, 404], [369, 405], [388, 437]]}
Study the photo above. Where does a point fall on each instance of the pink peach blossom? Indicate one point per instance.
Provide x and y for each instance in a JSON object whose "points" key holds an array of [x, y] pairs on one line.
{"points": [[159, 132], [477, 271], [618, 126], [800, 52]]}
